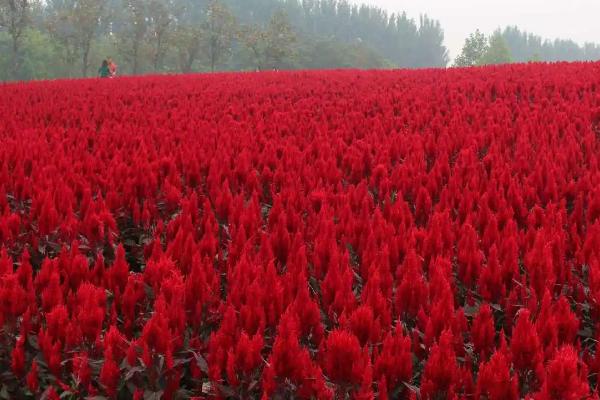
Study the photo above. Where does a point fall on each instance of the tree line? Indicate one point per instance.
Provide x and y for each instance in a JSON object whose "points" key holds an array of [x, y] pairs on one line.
{"points": [[513, 45], [69, 38]]}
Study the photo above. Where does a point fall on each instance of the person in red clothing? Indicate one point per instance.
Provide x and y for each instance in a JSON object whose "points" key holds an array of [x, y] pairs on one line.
{"points": [[112, 67]]}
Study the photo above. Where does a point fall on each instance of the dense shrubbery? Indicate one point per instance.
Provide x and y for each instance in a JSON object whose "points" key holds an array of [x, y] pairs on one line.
{"points": [[302, 235]]}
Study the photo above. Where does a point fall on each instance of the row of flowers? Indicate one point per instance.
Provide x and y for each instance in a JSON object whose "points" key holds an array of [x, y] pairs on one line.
{"points": [[329, 235]]}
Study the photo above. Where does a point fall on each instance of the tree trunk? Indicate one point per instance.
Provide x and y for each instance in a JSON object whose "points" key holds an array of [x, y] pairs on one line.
{"points": [[85, 61], [157, 55], [16, 62], [258, 58], [135, 58], [212, 43], [72, 58], [212, 56], [189, 62]]}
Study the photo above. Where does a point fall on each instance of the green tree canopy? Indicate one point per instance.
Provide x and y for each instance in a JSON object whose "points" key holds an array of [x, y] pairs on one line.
{"points": [[220, 30], [476, 45], [15, 18], [497, 51]]}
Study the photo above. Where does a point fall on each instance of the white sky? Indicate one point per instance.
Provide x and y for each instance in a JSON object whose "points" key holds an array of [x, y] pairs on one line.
{"points": [[578, 20]]}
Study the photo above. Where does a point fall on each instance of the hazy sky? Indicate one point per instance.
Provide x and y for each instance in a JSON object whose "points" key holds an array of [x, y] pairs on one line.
{"points": [[568, 19]]}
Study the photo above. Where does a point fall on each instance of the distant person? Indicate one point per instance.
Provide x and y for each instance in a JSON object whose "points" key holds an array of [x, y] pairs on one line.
{"points": [[104, 71], [112, 67]]}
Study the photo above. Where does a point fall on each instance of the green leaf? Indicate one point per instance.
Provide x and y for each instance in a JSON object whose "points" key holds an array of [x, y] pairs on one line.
{"points": [[148, 395], [4, 393], [202, 364], [586, 332], [413, 388], [226, 390], [131, 372], [471, 311]]}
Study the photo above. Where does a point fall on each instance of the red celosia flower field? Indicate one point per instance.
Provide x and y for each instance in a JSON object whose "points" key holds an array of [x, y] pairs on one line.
{"points": [[327, 235]]}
